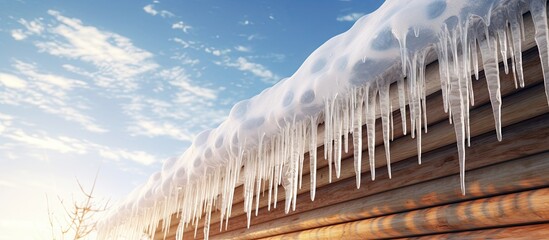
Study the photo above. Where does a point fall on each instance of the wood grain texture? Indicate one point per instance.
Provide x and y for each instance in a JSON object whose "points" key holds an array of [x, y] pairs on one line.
{"points": [[510, 209], [525, 232]]}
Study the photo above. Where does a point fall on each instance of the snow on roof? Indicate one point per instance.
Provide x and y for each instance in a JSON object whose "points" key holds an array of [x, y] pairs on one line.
{"points": [[344, 84]]}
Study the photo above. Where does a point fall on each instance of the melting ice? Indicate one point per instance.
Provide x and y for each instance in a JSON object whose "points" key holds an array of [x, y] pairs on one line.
{"points": [[343, 85]]}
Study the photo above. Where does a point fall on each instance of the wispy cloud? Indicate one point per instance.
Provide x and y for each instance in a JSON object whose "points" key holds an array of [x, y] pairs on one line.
{"points": [[18, 34], [140, 157], [184, 43], [189, 109], [241, 48], [180, 79], [35, 27], [351, 17], [150, 10], [12, 81], [156, 128], [69, 145], [251, 37], [163, 13], [49, 80], [31, 28], [115, 56], [183, 26], [60, 144], [169, 103], [217, 52], [48, 92], [5, 121], [188, 43], [185, 59], [256, 69]]}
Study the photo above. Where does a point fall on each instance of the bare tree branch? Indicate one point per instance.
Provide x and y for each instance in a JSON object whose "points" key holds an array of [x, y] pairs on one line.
{"points": [[79, 220]]}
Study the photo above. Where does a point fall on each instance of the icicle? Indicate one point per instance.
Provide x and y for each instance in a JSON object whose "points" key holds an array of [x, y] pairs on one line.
{"points": [[273, 164], [488, 49], [347, 106], [474, 52], [502, 37], [370, 126], [384, 108], [515, 19], [539, 15], [312, 156], [402, 103], [337, 126], [357, 135], [391, 121], [295, 155]]}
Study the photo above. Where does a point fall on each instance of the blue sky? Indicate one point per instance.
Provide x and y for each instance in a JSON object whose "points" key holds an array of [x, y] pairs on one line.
{"points": [[119, 86]]}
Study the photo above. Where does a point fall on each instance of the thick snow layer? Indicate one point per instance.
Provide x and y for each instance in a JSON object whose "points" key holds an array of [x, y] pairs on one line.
{"points": [[345, 85]]}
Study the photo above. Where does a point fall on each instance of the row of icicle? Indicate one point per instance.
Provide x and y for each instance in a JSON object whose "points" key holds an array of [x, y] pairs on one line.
{"points": [[279, 159]]}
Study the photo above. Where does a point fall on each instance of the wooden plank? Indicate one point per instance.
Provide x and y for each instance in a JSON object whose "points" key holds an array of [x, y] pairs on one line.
{"points": [[525, 104], [525, 232], [511, 209], [512, 176]]}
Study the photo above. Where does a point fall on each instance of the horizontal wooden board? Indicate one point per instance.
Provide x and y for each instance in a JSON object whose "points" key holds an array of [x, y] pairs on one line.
{"points": [[505, 210]]}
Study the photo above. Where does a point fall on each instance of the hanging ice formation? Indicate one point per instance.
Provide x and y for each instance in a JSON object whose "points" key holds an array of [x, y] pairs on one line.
{"points": [[344, 84]]}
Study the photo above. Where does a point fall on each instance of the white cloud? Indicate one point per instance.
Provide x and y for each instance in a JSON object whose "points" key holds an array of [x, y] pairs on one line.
{"points": [[184, 59], [12, 81], [166, 14], [18, 34], [61, 144], [184, 43], [251, 37], [189, 109], [217, 52], [150, 10], [155, 128], [48, 92], [179, 78], [115, 56], [31, 28], [163, 13], [241, 48], [5, 121], [181, 25], [69, 145], [34, 27], [50, 80], [140, 157], [351, 17], [256, 69], [187, 43]]}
